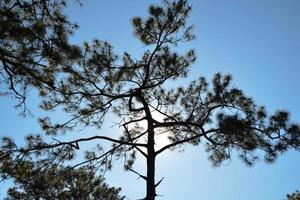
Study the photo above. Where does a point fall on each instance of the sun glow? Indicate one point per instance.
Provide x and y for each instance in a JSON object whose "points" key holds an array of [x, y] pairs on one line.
{"points": [[161, 137]]}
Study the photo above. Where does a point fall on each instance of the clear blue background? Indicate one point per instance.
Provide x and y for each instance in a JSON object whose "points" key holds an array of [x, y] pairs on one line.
{"points": [[256, 41]]}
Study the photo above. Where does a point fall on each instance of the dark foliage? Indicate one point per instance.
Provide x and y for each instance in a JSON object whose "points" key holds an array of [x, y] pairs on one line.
{"points": [[33, 42], [294, 196], [36, 181]]}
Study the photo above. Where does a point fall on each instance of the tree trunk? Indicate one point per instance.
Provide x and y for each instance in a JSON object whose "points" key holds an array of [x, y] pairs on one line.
{"points": [[150, 164], [151, 154], [151, 174]]}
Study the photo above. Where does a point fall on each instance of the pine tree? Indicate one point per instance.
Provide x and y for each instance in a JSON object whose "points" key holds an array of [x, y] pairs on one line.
{"points": [[35, 180], [34, 40], [99, 83]]}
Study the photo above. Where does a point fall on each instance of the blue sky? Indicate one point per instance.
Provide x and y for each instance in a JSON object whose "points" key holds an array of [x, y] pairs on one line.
{"points": [[256, 41]]}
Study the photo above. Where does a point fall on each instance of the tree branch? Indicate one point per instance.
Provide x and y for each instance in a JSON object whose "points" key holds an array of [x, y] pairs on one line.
{"points": [[184, 141]]}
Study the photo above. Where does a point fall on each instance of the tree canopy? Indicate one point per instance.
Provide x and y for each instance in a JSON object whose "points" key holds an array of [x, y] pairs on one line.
{"points": [[34, 41], [34, 180], [96, 82], [293, 196]]}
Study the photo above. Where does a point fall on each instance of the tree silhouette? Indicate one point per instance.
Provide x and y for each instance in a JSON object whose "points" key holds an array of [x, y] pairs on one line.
{"points": [[34, 40], [294, 196], [98, 82], [33, 180]]}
